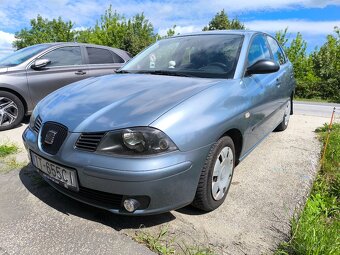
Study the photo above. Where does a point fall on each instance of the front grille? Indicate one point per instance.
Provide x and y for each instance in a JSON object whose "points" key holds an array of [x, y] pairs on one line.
{"points": [[89, 141], [37, 124], [108, 200], [52, 144]]}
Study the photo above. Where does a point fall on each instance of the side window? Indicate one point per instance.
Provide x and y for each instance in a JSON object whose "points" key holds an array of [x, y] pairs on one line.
{"points": [[116, 58], [65, 56], [278, 54], [258, 50], [99, 56]]}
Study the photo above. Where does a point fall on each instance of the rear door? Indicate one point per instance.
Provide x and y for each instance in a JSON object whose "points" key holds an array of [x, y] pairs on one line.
{"points": [[284, 75], [102, 61], [67, 66]]}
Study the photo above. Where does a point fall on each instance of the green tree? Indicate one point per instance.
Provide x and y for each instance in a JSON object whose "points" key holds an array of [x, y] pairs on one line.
{"points": [[115, 30], [171, 31], [282, 37], [222, 22], [326, 66], [306, 80], [43, 30]]}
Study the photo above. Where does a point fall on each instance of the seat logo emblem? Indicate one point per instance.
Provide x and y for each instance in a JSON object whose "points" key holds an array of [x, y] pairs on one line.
{"points": [[49, 138]]}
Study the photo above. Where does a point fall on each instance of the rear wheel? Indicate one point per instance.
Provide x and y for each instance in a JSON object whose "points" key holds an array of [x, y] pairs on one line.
{"points": [[286, 116], [216, 175], [11, 110]]}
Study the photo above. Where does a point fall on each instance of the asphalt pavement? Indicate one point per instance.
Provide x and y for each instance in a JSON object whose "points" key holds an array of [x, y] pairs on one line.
{"points": [[315, 109], [268, 187]]}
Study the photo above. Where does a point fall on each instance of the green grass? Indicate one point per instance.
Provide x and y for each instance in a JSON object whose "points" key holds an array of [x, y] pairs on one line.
{"points": [[163, 244], [318, 100], [317, 230], [8, 160], [8, 149]]}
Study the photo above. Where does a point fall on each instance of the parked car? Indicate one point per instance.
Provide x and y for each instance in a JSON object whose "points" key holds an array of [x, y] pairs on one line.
{"points": [[29, 74], [169, 129]]}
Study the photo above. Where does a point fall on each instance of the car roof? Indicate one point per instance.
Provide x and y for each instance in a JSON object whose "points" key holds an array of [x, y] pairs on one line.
{"points": [[223, 32], [53, 44]]}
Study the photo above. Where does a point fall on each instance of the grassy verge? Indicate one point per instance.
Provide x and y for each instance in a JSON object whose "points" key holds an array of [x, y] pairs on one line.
{"points": [[162, 243], [318, 100], [7, 158], [317, 230]]}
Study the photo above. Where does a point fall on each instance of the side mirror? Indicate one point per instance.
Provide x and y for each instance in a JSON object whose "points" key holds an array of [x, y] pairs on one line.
{"points": [[40, 63], [263, 66]]}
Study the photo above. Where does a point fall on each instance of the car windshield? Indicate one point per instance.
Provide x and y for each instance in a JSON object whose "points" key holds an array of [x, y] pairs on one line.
{"points": [[206, 56], [20, 56]]}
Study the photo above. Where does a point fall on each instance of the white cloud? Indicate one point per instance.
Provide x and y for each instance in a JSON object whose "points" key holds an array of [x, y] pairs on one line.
{"points": [[6, 40], [304, 26], [161, 13], [180, 29]]}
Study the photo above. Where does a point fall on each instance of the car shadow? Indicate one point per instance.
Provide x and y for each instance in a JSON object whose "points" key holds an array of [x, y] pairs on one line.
{"points": [[36, 185]]}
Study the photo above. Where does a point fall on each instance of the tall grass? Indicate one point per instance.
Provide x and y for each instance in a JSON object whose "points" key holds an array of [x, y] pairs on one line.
{"points": [[317, 230]]}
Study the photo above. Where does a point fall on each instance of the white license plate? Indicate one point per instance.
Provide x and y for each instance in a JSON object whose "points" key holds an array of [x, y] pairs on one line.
{"points": [[56, 173]]}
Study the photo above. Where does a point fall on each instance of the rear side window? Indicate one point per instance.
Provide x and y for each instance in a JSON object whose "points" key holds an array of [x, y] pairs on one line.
{"points": [[65, 56], [278, 54], [102, 56], [116, 58], [258, 50]]}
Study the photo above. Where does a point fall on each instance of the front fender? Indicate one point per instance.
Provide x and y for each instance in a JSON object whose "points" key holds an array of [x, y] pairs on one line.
{"points": [[202, 119]]}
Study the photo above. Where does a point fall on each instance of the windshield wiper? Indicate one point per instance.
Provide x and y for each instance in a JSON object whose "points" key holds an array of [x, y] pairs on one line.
{"points": [[123, 71], [164, 72]]}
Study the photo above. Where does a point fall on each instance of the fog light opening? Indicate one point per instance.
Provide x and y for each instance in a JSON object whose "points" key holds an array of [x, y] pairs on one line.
{"points": [[131, 204]]}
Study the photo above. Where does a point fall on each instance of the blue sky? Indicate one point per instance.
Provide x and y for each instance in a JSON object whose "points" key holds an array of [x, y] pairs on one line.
{"points": [[313, 18]]}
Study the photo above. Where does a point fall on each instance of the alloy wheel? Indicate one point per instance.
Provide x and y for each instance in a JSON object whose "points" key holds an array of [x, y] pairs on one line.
{"points": [[8, 111]]}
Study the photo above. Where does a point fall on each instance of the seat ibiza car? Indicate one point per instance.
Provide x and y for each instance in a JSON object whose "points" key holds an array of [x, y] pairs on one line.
{"points": [[29, 74], [169, 128]]}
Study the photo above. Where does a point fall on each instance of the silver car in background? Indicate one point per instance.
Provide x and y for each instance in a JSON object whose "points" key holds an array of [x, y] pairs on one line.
{"points": [[29, 74]]}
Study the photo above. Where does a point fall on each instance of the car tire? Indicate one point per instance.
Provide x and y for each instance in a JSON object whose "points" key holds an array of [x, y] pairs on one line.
{"points": [[286, 116], [212, 182], [11, 110]]}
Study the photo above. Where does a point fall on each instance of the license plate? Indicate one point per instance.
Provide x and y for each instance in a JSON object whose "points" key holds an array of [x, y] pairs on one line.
{"points": [[56, 173]]}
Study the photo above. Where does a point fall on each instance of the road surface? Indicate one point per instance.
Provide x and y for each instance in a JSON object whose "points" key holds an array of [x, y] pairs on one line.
{"points": [[267, 188], [315, 109]]}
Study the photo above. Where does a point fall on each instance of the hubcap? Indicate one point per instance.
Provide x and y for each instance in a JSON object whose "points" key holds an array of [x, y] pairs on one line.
{"points": [[287, 113], [8, 111], [223, 171]]}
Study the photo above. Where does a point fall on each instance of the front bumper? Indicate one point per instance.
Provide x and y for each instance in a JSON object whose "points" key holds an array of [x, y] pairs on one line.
{"points": [[169, 181]]}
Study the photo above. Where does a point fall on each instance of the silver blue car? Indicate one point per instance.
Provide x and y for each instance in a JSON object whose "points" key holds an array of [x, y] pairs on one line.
{"points": [[169, 128]]}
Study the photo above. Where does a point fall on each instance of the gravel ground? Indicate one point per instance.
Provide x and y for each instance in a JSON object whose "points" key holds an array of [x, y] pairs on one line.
{"points": [[268, 186]]}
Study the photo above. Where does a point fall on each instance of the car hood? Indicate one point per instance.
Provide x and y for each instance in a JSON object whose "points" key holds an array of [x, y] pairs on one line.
{"points": [[118, 101]]}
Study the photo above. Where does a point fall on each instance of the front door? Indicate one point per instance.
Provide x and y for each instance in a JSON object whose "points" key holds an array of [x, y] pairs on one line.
{"points": [[262, 91], [66, 66]]}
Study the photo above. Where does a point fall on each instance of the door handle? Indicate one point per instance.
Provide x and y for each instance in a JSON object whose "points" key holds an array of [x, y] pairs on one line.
{"points": [[80, 72], [278, 83]]}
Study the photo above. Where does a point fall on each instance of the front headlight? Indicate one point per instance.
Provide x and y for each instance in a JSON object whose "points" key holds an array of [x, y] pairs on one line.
{"points": [[32, 121], [136, 141], [33, 118]]}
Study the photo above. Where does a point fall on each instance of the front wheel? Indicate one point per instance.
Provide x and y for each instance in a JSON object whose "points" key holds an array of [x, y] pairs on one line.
{"points": [[286, 116], [216, 175], [11, 110]]}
